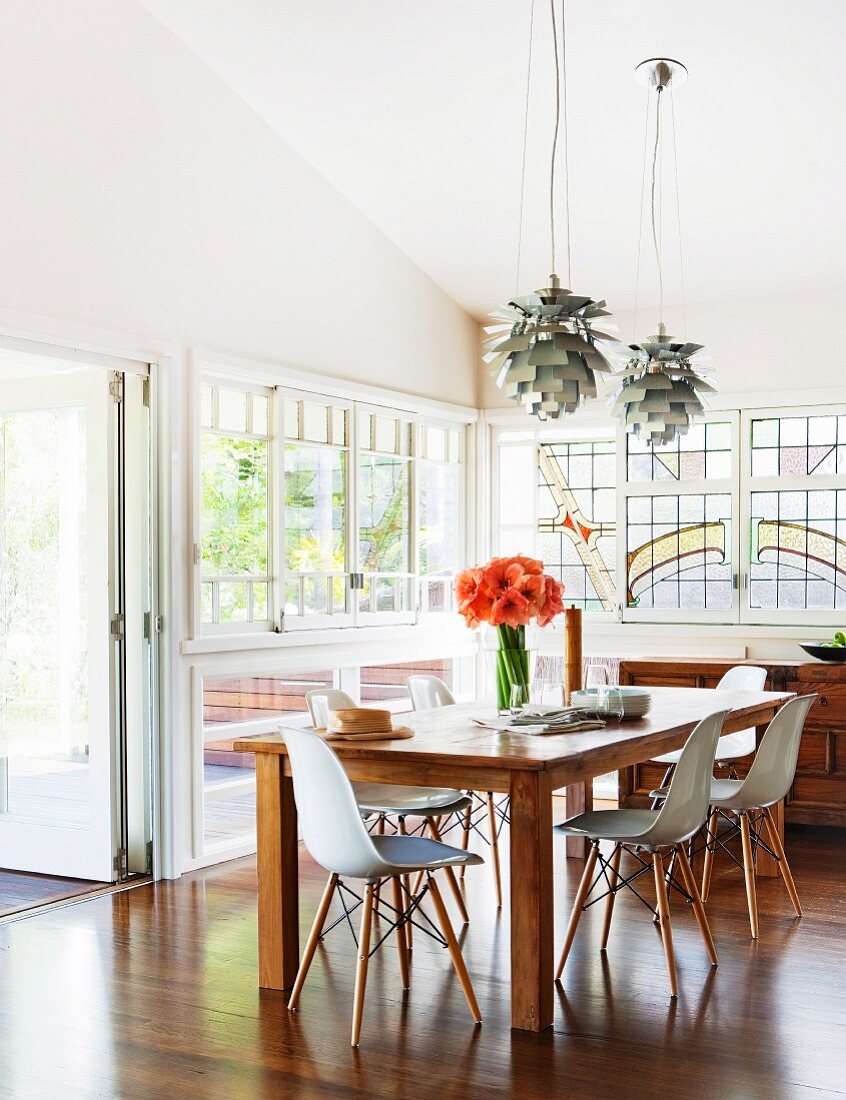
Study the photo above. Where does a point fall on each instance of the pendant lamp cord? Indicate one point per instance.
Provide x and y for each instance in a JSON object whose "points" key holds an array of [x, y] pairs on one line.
{"points": [[640, 218], [554, 133], [655, 238], [678, 213], [525, 145], [560, 102]]}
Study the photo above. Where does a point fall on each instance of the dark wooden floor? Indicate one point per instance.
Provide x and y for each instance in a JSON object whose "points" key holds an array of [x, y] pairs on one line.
{"points": [[152, 993], [19, 890]]}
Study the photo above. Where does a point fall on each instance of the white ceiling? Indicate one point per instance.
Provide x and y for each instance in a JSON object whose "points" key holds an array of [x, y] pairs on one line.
{"points": [[414, 111]]}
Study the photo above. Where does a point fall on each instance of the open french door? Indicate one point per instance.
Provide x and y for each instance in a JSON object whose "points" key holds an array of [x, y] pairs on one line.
{"points": [[63, 605]]}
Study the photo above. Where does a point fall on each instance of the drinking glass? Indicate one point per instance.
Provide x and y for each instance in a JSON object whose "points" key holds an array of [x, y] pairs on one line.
{"points": [[596, 676], [519, 698], [609, 704], [546, 693]]}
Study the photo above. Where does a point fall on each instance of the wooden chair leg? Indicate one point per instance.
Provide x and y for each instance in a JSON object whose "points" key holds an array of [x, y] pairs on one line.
{"points": [[609, 902], [465, 831], [402, 942], [313, 940], [495, 849], [749, 874], [450, 876], [576, 914], [696, 902], [363, 959], [664, 919], [783, 865], [454, 949], [710, 849]]}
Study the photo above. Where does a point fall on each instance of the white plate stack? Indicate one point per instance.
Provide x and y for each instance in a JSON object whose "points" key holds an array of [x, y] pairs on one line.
{"points": [[636, 701]]}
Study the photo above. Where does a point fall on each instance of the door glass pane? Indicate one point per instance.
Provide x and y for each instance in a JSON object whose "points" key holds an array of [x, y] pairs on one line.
{"points": [[44, 608]]}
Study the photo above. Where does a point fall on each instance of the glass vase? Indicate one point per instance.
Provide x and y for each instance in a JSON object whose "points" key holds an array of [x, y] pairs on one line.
{"points": [[511, 661]]}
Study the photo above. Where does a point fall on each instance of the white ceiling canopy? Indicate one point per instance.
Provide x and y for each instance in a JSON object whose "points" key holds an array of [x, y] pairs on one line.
{"points": [[414, 111]]}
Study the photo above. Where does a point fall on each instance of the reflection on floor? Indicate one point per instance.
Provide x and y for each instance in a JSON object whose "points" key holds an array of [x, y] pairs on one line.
{"points": [[20, 891], [153, 993]]}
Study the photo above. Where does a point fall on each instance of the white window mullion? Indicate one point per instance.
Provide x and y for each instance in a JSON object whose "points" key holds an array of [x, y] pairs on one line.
{"points": [[277, 511]]}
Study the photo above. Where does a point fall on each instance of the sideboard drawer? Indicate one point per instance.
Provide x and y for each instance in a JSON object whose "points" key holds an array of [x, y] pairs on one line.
{"points": [[829, 707]]}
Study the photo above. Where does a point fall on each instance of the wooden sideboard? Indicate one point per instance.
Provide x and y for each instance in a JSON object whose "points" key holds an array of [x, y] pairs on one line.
{"points": [[818, 795]]}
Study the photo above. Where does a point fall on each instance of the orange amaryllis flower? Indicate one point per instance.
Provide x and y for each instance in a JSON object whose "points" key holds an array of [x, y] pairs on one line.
{"points": [[529, 565], [511, 608], [501, 574], [473, 599], [552, 605], [533, 587]]}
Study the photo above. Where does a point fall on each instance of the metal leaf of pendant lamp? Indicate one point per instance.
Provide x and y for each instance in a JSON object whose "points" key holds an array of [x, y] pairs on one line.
{"points": [[543, 350], [661, 386]]}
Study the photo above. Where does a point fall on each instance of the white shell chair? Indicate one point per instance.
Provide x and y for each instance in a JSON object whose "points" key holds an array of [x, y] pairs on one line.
{"points": [[427, 693], [335, 836], [655, 832], [389, 799], [731, 746], [746, 802]]}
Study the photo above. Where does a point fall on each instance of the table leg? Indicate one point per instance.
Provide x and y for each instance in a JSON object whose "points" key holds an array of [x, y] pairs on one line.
{"points": [[532, 901], [579, 799], [278, 880], [765, 865]]}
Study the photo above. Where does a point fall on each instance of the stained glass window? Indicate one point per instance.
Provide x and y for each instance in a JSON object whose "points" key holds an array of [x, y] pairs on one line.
{"points": [[799, 446], [704, 452], [577, 513], [798, 548], [679, 552]]}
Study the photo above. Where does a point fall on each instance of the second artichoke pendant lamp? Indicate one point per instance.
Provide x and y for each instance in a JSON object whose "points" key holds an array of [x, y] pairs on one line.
{"points": [[661, 385], [543, 351]]}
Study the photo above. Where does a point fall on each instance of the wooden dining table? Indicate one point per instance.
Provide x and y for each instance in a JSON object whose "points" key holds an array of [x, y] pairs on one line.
{"points": [[450, 749]]}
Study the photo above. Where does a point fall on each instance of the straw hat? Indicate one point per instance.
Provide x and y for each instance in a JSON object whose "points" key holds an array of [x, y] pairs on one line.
{"points": [[364, 724]]}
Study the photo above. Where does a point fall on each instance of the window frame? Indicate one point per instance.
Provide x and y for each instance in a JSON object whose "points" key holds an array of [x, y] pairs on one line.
{"points": [[638, 489], [409, 616], [461, 466], [583, 432], [780, 483], [206, 629], [318, 621], [208, 370]]}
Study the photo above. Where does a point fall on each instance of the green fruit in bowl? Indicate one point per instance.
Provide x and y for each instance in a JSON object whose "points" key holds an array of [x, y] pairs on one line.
{"points": [[840, 638]]}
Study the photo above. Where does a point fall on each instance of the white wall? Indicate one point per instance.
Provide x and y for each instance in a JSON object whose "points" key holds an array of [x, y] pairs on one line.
{"points": [[758, 347], [140, 194]]}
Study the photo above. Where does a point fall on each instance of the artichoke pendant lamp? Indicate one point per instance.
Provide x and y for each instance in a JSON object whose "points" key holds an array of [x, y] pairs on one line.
{"points": [[543, 350], [661, 385]]}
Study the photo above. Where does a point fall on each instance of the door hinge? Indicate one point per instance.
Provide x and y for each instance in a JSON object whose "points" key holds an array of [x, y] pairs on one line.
{"points": [[145, 391], [120, 863], [356, 580], [196, 553], [153, 624], [148, 858], [116, 387], [117, 627]]}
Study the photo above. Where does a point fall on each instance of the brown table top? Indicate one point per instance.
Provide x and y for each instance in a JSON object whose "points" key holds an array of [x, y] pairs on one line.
{"points": [[448, 735]]}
